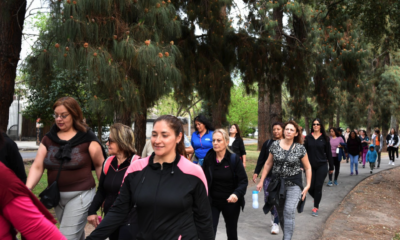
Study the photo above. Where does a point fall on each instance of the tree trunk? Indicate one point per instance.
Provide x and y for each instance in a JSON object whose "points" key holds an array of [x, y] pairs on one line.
{"points": [[384, 134], [330, 121], [338, 118], [307, 124], [276, 105], [11, 24], [124, 117], [140, 131], [218, 114], [264, 129]]}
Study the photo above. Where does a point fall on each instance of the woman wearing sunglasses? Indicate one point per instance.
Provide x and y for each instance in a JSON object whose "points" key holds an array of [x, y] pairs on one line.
{"points": [[72, 148], [121, 148], [318, 147]]}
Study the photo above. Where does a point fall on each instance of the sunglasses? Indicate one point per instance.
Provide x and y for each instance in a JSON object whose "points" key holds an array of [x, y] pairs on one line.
{"points": [[110, 140], [316, 124]]}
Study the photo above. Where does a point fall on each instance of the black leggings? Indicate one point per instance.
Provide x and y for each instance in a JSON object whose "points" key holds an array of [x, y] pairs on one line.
{"points": [[391, 151], [230, 212], [317, 181], [337, 168]]}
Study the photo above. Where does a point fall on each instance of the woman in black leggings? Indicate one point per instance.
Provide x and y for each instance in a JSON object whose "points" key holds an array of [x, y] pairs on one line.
{"points": [[319, 153], [391, 141]]}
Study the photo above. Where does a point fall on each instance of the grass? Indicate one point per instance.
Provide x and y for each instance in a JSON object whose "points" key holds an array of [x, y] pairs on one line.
{"points": [[396, 236], [252, 147], [251, 160]]}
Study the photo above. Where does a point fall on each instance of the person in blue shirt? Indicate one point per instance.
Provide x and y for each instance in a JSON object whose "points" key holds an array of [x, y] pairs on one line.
{"points": [[371, 157], [201, 138]]}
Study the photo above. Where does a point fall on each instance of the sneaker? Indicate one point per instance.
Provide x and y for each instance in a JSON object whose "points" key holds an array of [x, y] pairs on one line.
{"points": [[330, 184], [370, 171], [377, 167], [363, 166], [335, 182], [351, 174], [347, 161], [356, 172], [390, 162], [393, 163], [275, 229], [315, 212]]}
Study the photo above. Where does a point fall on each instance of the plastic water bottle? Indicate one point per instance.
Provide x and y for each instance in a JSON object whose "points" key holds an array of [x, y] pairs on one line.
{"points": [[255, 199]]}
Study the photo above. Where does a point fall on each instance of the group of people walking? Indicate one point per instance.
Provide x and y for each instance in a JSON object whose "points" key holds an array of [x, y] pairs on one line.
{"points": [[162, 194]]}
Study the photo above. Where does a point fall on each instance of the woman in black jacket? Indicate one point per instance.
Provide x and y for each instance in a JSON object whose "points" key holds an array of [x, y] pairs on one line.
{"points": [[391, 140], [10, 156], [227, 183], [121, 148], [236, 143], [168, 192], [319, 153]]}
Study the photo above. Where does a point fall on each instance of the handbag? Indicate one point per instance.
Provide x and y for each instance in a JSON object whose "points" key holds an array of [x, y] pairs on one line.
{"points": [[274, 185], [50, 197]]}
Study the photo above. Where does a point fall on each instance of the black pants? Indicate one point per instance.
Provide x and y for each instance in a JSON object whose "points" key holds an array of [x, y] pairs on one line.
{"points": [[317, 181], [336, 163], [230, 212], [391, 151], [125, 232]]}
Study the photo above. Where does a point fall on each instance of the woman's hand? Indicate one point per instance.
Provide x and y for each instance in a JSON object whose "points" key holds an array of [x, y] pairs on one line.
{"points": [[255, 175], [232, 198], [331, 171], [304, 193], [94, 220], [259, 186]]}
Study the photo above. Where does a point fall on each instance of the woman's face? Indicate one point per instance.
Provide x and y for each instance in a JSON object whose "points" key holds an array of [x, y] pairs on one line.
{"points": [[353, 135], [348, 130], [392, 131], [218, 142], [316, 126], [277, 131], [200, 126], [63, 118], [332, 132], [163, 139], [233, 129], [362, 133], [290, 132], [112, 146]]}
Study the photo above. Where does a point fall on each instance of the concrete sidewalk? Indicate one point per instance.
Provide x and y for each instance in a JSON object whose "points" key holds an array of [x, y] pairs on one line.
{"points": [[253, 224], [27, 145]]}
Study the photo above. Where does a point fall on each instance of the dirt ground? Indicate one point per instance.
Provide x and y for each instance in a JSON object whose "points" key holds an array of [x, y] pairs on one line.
{"points": [[370, 211]]}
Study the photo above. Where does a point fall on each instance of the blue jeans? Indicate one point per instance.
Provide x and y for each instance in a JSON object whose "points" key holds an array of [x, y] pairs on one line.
{"points": [[353, 160], [200, 161]]}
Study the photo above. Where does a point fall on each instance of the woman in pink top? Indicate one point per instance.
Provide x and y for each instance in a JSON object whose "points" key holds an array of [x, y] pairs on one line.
{"points": [[335, 141], [20, 210]]}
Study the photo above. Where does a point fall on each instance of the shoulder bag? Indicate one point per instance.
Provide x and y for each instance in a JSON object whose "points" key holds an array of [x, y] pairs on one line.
{"points": [[50, 197]]}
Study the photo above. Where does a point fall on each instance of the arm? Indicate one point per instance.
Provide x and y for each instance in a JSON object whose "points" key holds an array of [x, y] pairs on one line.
{"points": [[380, 143], [267, 167], [96, 153], [29, 221], [189, 150], [243, 152], [307, 168], [16, 162], [116, 215], [97, 201], [328, 153], [243, 181], [37, 168], [261, 161], [202, 213], [366, 156]]}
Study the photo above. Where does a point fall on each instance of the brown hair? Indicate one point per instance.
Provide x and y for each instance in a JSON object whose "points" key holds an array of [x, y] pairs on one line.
{"points": [[75, 110], [238, 130], [124, 137], [175, 124], [299, 138]]}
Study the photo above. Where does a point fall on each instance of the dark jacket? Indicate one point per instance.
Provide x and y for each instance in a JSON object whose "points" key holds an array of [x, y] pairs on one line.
{"points": [[395, 139], [170, 200], [318, 151], [10, 156], [354, 146], [262, 158], [239, 174], [238, 147]]}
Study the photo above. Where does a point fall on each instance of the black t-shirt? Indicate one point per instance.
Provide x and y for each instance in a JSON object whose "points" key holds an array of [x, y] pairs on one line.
{"points": [[222, 183]]}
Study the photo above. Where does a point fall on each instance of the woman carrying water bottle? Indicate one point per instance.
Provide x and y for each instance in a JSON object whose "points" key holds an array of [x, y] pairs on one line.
{"points": [[285, 161], [227, 181]]}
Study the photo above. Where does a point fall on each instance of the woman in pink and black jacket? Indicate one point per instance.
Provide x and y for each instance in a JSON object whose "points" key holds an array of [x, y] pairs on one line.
{"points": [[168, 192]]}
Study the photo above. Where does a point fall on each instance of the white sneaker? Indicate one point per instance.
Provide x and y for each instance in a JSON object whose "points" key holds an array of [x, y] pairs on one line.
{"points": [[393, 163], [275, 229], [390, 162]]}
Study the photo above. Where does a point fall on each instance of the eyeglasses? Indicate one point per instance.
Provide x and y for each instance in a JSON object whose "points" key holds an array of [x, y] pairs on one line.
{"points": [[110, 140], [60, 116], [316, 124]]}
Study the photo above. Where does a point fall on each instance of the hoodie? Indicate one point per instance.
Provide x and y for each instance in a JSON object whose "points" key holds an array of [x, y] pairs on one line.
{"points": [[371, 155]]}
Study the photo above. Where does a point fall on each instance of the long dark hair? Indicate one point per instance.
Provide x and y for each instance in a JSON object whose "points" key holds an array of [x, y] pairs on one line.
{"points": [[394, 130], [337, 134], [238, 131], [205, 121], [299, 137], [175, 124], [322, 127], [355, 134], [1, 139]]}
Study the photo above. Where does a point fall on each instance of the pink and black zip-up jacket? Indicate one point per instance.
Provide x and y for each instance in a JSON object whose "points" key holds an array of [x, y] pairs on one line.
{"points": [[170, 200]]}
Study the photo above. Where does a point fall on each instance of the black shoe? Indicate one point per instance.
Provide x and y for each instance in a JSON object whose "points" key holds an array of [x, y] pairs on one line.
{"points": [[363, 166], [370, 172]]}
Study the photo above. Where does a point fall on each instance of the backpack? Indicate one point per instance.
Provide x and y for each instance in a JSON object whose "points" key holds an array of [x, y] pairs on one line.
{"points": [[109, 160]]}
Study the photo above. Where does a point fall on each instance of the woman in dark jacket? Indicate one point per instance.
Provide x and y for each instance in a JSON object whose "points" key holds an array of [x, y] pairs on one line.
{"points": [[354, 149], [121, 148], [319, 153], [10, 156], [236, 143], [391, 140], [227, 183]]}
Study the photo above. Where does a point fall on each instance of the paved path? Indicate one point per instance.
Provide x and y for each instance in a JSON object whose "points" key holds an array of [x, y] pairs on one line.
{"points": [[253, 224], [27, 145]]}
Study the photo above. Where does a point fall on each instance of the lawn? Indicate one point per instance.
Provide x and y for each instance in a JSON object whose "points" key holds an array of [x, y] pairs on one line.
{"points": [[251, 160]]}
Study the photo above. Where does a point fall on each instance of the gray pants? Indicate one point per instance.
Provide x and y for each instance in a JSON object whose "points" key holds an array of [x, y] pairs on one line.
{"points": [[377, 147], [287, 210], [72, 212]]}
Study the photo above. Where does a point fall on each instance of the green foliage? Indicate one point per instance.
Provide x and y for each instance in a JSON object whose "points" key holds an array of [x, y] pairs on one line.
{"points": [[243, 108]]}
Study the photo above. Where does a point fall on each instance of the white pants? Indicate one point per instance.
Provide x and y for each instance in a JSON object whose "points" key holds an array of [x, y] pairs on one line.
{"points": [[72, 212]]}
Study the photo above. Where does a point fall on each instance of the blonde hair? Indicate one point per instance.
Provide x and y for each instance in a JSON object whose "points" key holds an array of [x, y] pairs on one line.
{"points": [[225, 136], [123, 136]]}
